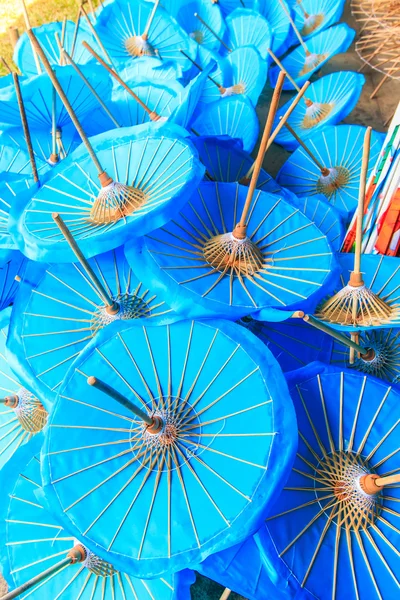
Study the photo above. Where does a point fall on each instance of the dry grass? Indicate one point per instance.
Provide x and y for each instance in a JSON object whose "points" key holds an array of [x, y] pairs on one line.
{"points": [[40, 11]]}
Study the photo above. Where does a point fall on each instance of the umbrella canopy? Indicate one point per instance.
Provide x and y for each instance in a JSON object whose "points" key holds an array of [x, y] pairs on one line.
{"points": [[59, 310], [226, 161], [149, 67], [46, 34], [320, 48], [311, 16], [248, 28], [11, 270], [381, 275], [227, 6], [160, 167], [234, 116], [326, 218], [209, 13], [198, 479], [142, 29], [329, 100], [179, 259], [329, 518], [278, 21], [35, 541], [293, 343], [339, 150], [22, 415]]}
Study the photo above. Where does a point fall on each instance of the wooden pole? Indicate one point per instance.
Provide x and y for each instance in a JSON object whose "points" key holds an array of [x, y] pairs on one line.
{"points": [[221, 41], [13, 34], [154, 424], [145, 33], [367, 354], [321, 167], [296, 31], [357, 277], [111, 306], [152, 114], [76, 29], [25, 127], [372, 484], [96, 36], [28, 26], [240, 229]]}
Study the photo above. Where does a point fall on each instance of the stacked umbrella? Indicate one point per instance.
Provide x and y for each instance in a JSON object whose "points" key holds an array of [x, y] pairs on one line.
{"points": [[164, 301]]}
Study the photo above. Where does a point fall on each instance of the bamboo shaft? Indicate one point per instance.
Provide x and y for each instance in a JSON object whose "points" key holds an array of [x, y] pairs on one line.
{"points": [[387, 76], [65, 101], [91, 88], [76, 29], [335, 334], [108, 301], [212, 31], [25, 127], [320, 166], [5, 64], [382, 481], [37, 579], [261, 151], [28, 26], [361, 198], [54, 152], [150, 19], [296, 31], [96, 36], [112, 393], [61, 44], [225, 594], [153, 115], [282, 68], [13, 34]]}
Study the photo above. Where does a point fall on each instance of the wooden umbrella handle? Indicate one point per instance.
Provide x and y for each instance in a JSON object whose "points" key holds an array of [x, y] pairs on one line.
{"points": [[372, 484], [240, 229], [298, 139], [361, 200], [25, 127], [296, 31]]}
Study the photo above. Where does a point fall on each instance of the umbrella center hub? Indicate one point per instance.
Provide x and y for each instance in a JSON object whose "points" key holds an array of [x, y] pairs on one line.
{"points": [[315, 113], [311, 23], [311, 62], [197, 35], [329, 184], [131, 306], [353, 508], [386, 359], [97, 565], [29, 411], [226, 253], [116, 201], [234, 90], [139, 46]]}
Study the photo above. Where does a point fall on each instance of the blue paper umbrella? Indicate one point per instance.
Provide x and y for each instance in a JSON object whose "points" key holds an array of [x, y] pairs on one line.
{"points": [[328, 101], [377, 296], [131, 30], [311, 16], [385, 360], [149, 67], [193, 472], [152, 172], [301, 64], [159, 97], [278, 21], [226, 161], [338, 514], [35, 541], [57, 312], [248, 28], [22, 415], [326, 218], [338, 150], [72, 38], [293, 343], [194, 259], [234, 116], [199, 29], [15, 159], [188, 105]]}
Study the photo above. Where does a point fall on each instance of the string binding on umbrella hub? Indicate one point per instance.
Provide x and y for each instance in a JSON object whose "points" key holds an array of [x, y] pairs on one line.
{"points": [[77, 554], [315, 113], [234, 251], [311, 23], [331, 180], [29, 411], [344, 471], [131, 306], [115, 201], [139, 45]]}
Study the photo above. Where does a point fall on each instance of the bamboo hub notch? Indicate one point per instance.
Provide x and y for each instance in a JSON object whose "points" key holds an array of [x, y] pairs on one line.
{"points": [[311, 61], [315, 113], [115, 201], [331, 180], [311, 23], [30, 412], [233, 251]]}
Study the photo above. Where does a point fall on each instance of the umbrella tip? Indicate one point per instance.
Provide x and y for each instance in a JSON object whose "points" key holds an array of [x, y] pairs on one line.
{"points": [[91, 380], [55, 215]]}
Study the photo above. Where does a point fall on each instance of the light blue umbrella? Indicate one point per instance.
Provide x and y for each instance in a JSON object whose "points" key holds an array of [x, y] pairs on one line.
{"points": [[337, 514], [59, 309], [278, 21], [72, 42], [22, 415], [34, 542], [311, 16], [188, 259], [234, 116], [209, 13], [308, 58], [328, 101], [248, 28], [144, 28], [189, 472], [338, 149], [148, 173]]}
